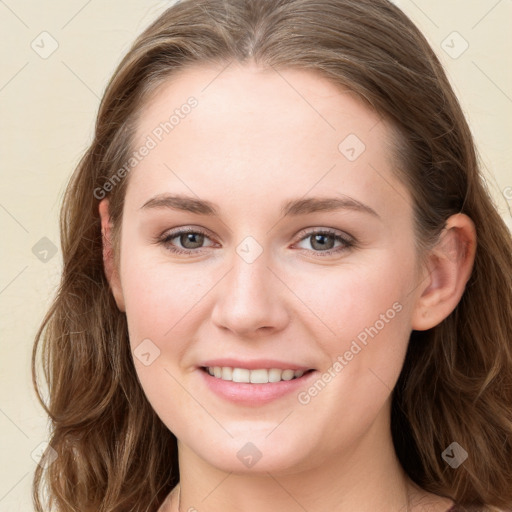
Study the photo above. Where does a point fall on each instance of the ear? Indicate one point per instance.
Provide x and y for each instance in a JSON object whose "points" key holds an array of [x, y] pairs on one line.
{"points": [[449, 266], [111, 270]]}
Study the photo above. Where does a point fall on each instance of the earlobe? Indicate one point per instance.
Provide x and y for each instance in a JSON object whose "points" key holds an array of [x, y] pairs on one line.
{"points": [[111, 271], [448, 270]]}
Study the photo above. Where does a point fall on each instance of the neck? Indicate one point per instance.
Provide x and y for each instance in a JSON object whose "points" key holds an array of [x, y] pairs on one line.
{"points": [[367, 476]]}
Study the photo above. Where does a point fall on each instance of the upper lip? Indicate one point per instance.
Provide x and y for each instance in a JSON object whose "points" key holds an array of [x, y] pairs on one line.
{"points": [[254, 364]]}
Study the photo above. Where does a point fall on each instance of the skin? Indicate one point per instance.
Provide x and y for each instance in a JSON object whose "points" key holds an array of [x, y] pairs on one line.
{"points": [[253, 142]]}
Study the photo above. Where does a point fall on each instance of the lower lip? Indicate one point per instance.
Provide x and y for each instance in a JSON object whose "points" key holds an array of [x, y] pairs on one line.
{"points": [[244, 393]]}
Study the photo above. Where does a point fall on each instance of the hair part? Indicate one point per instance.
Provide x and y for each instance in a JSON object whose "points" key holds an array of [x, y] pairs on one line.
{"points": [[114, 453]]}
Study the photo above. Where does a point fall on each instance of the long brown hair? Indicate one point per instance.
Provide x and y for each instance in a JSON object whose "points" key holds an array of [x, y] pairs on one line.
{"points": [[114, 453]]}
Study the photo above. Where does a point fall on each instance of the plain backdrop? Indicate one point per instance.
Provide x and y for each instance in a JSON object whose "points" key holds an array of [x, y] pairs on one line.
{"points": [[56, 58]]}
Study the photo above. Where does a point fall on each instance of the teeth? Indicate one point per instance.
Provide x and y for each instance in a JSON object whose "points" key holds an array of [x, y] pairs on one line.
{"points": [[259, 376], [241, 375], [287, 375], [274, 375], [227, 373]]}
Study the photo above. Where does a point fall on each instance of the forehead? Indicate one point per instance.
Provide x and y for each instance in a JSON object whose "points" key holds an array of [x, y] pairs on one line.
{"points": [[235, 95], [272, 131]]}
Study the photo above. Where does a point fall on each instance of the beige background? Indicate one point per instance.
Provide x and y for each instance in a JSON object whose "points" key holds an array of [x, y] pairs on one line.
{"points": [[48, 107]]}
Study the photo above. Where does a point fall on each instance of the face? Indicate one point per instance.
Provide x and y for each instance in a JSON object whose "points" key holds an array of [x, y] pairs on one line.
{"points": [[266, 231]]}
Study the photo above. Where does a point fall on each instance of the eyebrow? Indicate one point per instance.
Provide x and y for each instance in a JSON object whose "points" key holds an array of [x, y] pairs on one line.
{"points": [[293, 207]]}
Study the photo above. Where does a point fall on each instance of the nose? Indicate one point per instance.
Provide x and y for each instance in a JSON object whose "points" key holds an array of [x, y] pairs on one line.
{"points": [[250, 300]]}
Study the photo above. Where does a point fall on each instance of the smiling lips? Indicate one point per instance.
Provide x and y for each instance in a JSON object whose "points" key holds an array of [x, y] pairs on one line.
{"points": [[254, 383], [255, 376]]}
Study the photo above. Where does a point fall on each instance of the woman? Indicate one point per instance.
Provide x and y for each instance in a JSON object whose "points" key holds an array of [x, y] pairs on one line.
{"points": [[285, 286]]}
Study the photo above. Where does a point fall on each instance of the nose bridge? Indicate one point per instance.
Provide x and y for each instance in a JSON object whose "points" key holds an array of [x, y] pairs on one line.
{"points": [[249, 280], [249, 297], [250, 273]]}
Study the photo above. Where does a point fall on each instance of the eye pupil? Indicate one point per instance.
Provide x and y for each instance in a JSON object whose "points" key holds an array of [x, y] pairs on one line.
{"points": [[196, 239], [319, 237]]}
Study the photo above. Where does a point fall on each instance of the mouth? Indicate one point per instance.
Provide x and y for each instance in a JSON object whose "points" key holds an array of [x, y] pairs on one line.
{"points": [[254, 376]]}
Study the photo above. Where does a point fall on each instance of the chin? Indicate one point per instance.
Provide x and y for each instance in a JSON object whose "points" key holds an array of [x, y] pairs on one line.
{"points": [[254, 455]]}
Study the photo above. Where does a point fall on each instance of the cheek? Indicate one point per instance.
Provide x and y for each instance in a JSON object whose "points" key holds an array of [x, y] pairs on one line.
{"points": [[159, 296], [367, 310], [159, 301], [355, 298]]}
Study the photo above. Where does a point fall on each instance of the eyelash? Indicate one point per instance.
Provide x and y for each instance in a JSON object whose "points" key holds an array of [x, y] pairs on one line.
{"points": [[347, 242]]}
